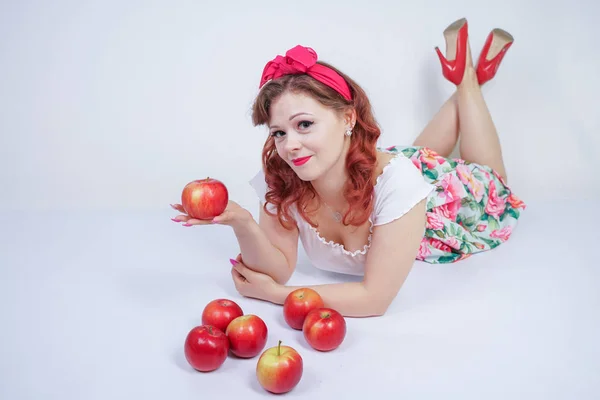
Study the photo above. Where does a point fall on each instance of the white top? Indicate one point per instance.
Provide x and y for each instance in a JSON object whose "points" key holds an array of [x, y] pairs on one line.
{"points": [[399, 188]]}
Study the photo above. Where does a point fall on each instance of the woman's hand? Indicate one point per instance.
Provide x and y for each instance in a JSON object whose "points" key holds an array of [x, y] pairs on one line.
{"points": [[234, 215], [250, 283]]}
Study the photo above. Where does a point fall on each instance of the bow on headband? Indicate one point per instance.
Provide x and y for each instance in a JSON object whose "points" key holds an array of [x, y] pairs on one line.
{"points": [[303, 60]]}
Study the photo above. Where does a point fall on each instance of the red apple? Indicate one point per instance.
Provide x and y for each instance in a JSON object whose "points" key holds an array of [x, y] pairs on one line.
{"points": [[220, 312], [247, 335], [279, 369], [204, 199], [298, 304], [324, 329], [206, 348]]}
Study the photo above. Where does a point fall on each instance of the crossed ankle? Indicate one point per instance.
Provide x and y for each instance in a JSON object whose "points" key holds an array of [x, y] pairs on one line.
{"points": [[469, 78]]}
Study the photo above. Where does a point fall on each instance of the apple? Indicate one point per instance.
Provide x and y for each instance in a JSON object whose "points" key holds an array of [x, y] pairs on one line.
{"points": [[220, 312], [205, 198], [279, 369], [247, 335], [298, 304], [206, 348], [324, 329]]}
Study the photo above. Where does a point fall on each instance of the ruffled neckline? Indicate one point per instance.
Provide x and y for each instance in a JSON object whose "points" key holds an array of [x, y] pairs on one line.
{"points": [[366, 247]]}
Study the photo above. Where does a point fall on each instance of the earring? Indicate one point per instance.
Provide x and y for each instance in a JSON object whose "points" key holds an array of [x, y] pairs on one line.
{"points": [[348, 132]]}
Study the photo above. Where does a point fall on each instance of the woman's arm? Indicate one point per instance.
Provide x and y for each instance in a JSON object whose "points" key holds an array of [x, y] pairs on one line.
{"points": [[394, 247], [267, 247]]}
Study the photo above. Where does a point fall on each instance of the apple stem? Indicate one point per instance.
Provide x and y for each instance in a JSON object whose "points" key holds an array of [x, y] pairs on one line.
{"points": [[210, 330], [279, 348]]}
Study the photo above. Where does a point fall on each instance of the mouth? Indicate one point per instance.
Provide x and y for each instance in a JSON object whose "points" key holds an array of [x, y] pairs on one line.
{"points": [[299, 161]]}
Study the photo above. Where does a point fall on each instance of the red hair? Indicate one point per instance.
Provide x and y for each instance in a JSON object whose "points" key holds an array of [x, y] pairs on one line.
{"points": [[284, 186]]}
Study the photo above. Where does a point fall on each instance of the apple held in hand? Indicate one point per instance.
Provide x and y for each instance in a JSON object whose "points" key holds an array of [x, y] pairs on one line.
{"points": [[206, 348], [298, 304], [204, 199], [220, 312], [324, 329], [279, 369], [247, 335]]}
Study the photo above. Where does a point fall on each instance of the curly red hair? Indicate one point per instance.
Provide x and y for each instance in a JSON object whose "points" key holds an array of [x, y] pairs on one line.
{"points": [[284, 186]]}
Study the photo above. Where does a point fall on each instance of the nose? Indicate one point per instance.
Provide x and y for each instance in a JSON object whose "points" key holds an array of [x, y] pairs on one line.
{"points": [[292, 143]]}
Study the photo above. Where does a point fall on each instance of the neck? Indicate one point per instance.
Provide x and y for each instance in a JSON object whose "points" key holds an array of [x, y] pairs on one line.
{"points": [[330, 187]]}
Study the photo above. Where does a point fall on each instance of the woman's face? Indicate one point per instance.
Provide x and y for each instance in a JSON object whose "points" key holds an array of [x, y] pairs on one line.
{"points": [[308, 136]]}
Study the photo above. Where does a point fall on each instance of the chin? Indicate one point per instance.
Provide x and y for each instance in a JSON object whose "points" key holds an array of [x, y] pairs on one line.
{"points": [[307, 175]]}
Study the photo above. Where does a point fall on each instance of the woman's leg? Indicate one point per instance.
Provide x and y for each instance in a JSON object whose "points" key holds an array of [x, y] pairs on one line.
{"points": [[479, 142], [466, 110], [441, 133]]}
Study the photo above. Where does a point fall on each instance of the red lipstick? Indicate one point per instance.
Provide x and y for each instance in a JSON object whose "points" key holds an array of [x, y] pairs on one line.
{"points": [[299, 161]]}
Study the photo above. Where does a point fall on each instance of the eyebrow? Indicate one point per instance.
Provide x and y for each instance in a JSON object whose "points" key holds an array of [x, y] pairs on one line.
{"points": [[291, 118]]}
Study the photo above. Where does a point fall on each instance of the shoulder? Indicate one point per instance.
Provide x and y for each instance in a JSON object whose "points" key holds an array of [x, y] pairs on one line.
{"points": [[398, 188]]}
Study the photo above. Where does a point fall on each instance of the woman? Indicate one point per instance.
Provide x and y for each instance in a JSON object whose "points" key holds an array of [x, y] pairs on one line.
{"points": [[358, 209]]}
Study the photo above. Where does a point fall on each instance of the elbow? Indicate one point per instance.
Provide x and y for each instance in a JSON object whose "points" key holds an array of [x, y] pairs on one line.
{"points": [[283, 277], [373, 310], [281, 280], [287, 274], [379, 310], [378, 304]]}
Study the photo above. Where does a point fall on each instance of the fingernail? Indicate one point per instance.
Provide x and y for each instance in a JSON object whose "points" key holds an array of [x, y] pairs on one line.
{"points": [[232, 261], [174, 220], [214, 221], [186, 224]]}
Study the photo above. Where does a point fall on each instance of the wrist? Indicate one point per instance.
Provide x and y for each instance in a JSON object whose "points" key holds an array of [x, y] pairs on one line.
{"points": [[244, 223], [276, 293]]}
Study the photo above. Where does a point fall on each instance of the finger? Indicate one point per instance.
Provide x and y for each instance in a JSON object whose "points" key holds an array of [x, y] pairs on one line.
{"points": [[237, 276], [238, 266], [235, 279], [194, 221], [178, 207], [181, 218], [224, 218], [239, 269]]}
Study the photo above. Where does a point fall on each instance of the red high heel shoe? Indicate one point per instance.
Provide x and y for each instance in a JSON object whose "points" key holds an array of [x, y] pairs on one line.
{"points": [[456, 35], [496, 45]]}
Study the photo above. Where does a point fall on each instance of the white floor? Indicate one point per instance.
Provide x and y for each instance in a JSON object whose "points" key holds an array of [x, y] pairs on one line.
{"points": [[98, 306]]}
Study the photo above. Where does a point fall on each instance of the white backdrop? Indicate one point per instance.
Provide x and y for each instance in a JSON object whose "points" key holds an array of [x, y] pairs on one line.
{"points": [[108, 108], [117, 105]]}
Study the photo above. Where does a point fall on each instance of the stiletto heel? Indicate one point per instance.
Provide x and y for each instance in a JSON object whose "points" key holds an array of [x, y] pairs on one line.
{"points": [[496, 45], [456, 35]]}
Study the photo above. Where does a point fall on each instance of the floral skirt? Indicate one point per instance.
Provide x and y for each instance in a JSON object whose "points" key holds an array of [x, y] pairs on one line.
{"points": [[472, 210]]}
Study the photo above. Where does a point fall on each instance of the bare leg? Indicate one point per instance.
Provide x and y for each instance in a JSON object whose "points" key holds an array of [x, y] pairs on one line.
{"points": [[441, 133], [479, 141]]}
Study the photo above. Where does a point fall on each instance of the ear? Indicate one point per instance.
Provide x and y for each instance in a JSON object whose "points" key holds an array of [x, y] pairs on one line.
{"points": [[350, 118]]}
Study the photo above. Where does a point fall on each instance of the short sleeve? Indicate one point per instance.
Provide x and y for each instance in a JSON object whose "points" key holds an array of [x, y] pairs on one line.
{"points": [[399, 188], [259, 185]]}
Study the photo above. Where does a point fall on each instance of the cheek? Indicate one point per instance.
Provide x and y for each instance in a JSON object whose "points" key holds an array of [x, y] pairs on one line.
{"points": [[281, 151], [278, 145], [333, 143]]}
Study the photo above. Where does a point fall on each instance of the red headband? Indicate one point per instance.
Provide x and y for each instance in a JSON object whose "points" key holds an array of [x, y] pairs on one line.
{"points": [[303, 60]]}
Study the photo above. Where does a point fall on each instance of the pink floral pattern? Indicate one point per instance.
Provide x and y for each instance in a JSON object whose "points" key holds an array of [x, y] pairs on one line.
{"points": [[435, 221], [473, 209], [495, 205], [476, 187]]}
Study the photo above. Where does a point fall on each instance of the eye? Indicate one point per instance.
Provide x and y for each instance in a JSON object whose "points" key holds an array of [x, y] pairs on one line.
{"points": [[301, 125], [305, 124]]}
